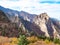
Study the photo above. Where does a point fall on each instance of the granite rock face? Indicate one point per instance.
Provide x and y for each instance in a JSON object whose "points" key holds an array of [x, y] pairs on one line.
{"points": [[46, 25]]}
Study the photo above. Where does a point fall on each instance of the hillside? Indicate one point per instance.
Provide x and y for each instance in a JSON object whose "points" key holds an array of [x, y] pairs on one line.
{"points": [[39, 25], [8, 28]]}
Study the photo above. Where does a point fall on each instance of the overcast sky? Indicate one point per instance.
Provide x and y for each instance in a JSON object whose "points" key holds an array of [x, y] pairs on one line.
{"points": [[51, 7]]}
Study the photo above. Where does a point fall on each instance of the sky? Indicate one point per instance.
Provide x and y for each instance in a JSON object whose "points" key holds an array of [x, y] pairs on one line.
{"points": [[51, 7]]}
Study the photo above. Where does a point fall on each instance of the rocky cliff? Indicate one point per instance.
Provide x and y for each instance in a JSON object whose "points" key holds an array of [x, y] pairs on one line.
{"points": [[46, 25], [34, 24]]}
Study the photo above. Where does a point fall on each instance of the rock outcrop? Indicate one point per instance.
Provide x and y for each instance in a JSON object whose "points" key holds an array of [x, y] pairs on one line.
{"points": [[46, 25]]}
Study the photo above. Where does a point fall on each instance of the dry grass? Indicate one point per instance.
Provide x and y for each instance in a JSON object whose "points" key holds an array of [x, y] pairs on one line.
{"points": [[7, 41], [13, 41], [42, 43]]}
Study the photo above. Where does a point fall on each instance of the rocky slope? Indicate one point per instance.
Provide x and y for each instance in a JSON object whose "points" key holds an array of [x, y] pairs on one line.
{"points": [[37, 24], [47, 25], [10, 29]]}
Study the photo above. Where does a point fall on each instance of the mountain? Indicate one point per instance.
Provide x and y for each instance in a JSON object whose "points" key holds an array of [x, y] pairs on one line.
{"points": [[11, 13], [11, 29], [32, 24], [56, 24], [47, 25]]}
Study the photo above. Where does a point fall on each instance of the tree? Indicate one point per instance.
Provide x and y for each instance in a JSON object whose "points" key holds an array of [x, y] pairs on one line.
{"points": [[22, 40]]}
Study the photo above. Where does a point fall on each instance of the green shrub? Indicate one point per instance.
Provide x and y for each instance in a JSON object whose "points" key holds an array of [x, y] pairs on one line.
{"points": [[56, 41], [22, 40], [42, 37], [47, 41]]}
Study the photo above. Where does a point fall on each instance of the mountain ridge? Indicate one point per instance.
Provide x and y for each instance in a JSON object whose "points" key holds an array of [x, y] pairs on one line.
{"points": [[38, 24]]}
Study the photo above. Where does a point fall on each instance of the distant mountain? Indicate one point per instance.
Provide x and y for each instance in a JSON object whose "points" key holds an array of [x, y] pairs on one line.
{"points": [[11, 13], [56, 24], [41, 25]]}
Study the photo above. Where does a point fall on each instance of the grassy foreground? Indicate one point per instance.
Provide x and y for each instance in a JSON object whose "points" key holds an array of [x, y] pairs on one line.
{"points": [[33, 40]]}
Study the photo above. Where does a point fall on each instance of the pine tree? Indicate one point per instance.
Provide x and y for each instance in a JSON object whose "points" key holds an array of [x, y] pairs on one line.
{"points": [[22, 40]]}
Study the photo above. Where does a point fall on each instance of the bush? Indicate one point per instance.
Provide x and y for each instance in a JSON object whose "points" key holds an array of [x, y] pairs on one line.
{"points": [[42, 37], [32, 39], [47, 41], [56, 41], [14, 40], [22, 40]]}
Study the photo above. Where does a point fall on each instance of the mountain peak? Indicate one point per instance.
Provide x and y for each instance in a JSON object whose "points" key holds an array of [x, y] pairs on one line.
{"points": [[24, 12], [44, 16]]}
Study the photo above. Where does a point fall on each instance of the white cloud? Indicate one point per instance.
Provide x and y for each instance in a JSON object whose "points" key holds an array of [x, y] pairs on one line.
{"points": [[33, 6]]}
